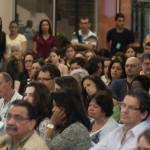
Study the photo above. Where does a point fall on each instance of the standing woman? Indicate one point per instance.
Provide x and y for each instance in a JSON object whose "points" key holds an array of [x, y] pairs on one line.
{"points": [[2, 40], [44, 41], [14, 37], [54, 58]]}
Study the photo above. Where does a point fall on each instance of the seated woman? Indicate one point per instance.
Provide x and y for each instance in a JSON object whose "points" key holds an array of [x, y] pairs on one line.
{"points": [[38, 94], [100, 109], [69, 127], [104, 53], [105, 77], [89, 54], [92, 84], [54, 58], [141, 81], [121, 56], [116, 70], [129, 51], [95, 66], [36, 65]]}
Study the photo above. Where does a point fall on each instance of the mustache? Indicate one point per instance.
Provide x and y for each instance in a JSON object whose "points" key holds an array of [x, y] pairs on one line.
{"points": [[11, 127], [124, 114]]}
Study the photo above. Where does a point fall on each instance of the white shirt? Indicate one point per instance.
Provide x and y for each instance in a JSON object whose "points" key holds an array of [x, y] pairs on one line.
{"points": [[113, 140], [4, 109], [109, 126]]}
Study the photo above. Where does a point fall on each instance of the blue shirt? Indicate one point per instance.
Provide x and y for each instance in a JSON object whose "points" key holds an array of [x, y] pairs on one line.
{"points": [[119, 88]]}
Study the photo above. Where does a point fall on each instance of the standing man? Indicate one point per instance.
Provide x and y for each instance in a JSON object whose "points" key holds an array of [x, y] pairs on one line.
{"points": [[85, 38], [119, 37], [121, 86]]}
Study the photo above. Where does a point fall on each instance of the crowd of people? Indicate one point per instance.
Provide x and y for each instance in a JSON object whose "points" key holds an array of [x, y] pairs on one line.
{"points": [[82, 100]]}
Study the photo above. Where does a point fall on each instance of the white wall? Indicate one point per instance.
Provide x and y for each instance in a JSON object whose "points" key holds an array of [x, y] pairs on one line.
{"points": [[6, 13]]}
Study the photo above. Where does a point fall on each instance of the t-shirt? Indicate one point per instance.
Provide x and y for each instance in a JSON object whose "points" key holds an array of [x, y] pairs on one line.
{"points": [[85, 40], [124, 38], [119, 88], [44, 47], [19, 39]]}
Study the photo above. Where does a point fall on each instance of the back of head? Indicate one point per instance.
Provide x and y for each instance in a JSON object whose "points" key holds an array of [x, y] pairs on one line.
{"points": [[92, 65], [119, 15], [80, 72], [104, 52], [70, 100], [79, 61], [30, 108], [52, 69], [143, 98], [144, 80], [68, 82], [146, 135]]}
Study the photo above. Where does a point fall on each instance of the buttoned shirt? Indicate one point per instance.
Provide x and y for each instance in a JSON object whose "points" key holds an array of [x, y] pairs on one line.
{"points": [[113, 140]]}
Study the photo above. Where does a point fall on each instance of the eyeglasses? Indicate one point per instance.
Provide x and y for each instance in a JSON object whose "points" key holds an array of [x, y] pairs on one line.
{"points": [[32, 68], [146, 64], [30, 61], [130, 108], [16, 118], [84, 23], [44, 79], [131, 66]]}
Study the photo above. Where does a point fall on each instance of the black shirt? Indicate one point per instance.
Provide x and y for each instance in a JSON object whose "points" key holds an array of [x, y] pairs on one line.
{"points": [[124, 38]]}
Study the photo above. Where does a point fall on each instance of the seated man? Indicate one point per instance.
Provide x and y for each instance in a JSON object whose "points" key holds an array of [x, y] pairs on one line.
{"points": [[145, 60], [134, 112], [77, 63], [47, 75], [20, 122], [13, 64], [7, 94]]}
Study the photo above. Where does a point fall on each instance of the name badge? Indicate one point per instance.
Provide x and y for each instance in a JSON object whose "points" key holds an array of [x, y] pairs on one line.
{"points": [[118, 45]]}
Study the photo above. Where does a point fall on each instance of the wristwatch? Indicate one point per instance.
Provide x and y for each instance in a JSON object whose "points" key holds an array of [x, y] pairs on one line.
{"points": [[51, 126]]}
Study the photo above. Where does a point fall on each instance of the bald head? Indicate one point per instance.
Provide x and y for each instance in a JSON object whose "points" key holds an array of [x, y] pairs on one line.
{"points": [[132, 67]]}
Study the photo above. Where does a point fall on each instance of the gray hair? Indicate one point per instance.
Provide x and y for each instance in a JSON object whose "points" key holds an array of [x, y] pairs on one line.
{"points": [[80, 72], [145, 56], [16, 44]]}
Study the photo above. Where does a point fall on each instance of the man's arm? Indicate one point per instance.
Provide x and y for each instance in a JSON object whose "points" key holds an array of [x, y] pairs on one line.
{"points": [[19, 65], [108, 46], [5, 66], [80, 46]]}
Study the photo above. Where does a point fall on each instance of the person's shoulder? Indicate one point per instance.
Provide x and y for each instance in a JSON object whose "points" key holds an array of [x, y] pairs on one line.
{"points": [[35, 142], [92, 33], [112, 30], [3, 140], [21, 35], [127, 30], [121, 80]]}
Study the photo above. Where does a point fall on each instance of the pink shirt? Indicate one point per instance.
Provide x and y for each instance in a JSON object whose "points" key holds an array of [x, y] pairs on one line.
{"points": [[44, 47]]}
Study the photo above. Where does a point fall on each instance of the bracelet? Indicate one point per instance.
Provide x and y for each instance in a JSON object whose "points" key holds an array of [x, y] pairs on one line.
{"points": [[79, 45]]}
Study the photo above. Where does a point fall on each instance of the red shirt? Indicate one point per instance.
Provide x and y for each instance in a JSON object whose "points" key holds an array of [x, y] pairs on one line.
{"points": [[44, 47]]}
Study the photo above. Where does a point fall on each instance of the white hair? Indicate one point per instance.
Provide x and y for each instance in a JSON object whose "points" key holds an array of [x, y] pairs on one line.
{"points": [[80, 72], [16, 44]]}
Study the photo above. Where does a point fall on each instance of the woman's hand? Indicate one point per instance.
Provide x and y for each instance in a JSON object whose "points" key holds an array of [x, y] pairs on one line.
{"points": [[58, 118]]}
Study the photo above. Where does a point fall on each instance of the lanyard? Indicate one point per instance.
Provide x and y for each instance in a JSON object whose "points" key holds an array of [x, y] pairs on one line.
{"points": [[119, 39], [127, 87]]}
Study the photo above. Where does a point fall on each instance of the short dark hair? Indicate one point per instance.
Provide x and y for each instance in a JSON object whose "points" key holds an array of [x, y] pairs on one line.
{"points": [[147, 44], [71, 101], [13, 22], [56, 51], [79, 61], [129, 46], [31, 112], [84, 18], [145, 56], [104, 52], [119, 15], [104, 101], [40, 27], [145, 81], [145, 134], [143, 98], [41, 62], [122, 66], [92, 65], [52, 69], [6, 77]]}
